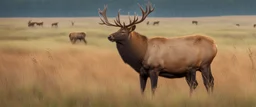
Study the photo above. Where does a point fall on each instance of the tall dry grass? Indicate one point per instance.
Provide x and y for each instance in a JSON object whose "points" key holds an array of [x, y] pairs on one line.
{"points": [[76, 78], [40, 68]]}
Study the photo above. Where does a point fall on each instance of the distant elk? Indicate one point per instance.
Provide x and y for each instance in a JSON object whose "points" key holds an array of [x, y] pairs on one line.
{"points": [[74, 36], [237, 24], [156, 22], [194, 22], [55, 24], [72, 23], [40, 23], [254, 25], [147, 22], [166, 57], [31, 24]]}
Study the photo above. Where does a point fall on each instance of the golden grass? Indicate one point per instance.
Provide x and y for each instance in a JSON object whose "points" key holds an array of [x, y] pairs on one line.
{"points": [[39, 67]]}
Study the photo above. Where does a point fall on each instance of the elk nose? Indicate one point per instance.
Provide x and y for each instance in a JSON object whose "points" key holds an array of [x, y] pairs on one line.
{"points": [[111, 38]]}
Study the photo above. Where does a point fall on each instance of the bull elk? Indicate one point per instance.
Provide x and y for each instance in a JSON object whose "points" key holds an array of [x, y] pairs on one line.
{"points": [[74, 36], [166, 57]]}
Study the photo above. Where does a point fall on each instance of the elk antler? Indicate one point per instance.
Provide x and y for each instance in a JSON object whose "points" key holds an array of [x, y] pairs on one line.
{"points": [[149, 9], [105, 19]]}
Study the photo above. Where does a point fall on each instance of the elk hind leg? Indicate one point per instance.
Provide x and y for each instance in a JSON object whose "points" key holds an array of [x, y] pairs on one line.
{"points": [[191, 80], [84, 41], [207, 78]]}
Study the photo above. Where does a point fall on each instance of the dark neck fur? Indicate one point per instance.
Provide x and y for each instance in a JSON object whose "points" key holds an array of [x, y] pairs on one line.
{"points": [[132, 50]]}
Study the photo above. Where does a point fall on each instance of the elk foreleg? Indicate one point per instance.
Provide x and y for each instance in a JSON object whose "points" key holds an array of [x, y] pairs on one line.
{"points": [[71, 39], [207, 78], [74, 40], [143, 82]]}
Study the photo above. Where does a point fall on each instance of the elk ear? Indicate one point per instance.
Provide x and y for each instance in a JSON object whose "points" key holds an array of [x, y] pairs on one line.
{"points": [[132, 28]]}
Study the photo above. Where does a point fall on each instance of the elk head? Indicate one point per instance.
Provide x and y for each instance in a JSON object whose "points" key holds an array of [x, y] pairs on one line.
{"points": [[124, 31]]}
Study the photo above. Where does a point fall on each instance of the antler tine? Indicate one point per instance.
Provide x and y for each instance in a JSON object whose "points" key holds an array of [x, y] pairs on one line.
{"points": [[152, 8], [135, 18], [105, 19], [149, 9], [129, 17], [118, 18]]}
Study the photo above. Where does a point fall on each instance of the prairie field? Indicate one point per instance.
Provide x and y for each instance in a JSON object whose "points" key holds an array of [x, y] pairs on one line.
{"points": [[39, 67]]}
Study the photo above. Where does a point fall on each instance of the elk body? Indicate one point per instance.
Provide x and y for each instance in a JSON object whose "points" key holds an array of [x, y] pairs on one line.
{"points": [[40, 23], [194, 22], [166, 57], [156, 22], [74, 36], [55, 24]]}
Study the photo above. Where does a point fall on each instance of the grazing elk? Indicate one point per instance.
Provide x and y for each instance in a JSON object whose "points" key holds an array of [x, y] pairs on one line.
{"points": [[31, 24], [40, 23], [74, 36], [156, 22], [55, 24], [166, 57], [194, 22]]}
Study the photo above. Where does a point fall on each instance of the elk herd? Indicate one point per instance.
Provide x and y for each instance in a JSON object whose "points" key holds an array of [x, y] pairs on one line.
{"points": [[179, 57], [73, 36], [55, 24]]}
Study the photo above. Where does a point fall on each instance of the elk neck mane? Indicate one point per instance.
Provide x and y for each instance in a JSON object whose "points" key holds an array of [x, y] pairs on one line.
{"points": [[132, 50]]}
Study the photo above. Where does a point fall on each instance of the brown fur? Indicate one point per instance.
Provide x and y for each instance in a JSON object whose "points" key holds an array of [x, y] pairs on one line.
{"points": [[74, 36], [31, 24], [167, 53], [40, 23], [55, 24], [156, 22], [147, 22], [139, 43], [194, 22]]}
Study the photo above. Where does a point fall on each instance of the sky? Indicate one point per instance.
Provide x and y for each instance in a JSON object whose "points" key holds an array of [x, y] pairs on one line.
{"points": [[89, 8]]}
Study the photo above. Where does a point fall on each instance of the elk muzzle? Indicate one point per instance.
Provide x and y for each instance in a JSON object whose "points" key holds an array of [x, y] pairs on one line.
{"points": [[111, 38]]}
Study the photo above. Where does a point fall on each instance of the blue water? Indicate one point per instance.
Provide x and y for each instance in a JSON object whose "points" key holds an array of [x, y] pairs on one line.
{"points": [[163, 8]]}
